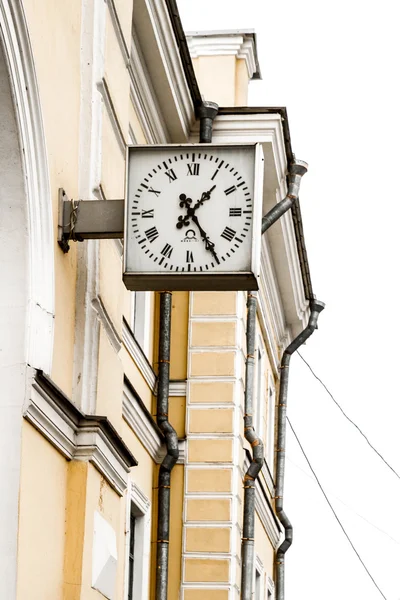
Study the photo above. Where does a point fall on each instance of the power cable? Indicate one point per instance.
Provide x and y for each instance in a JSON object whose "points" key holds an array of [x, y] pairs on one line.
{"points": [[344, 503], [348, 418], [334, 512]]}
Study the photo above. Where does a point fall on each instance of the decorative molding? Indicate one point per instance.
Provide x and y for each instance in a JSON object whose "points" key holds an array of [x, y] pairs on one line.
{"points": [[266, 128], [104, 90], [145, 428], [157, 40], [141, 422], [87, 325], [138, 356], [76, 435], [177, 387], [144, 98], [139, 499], [14, 33], [118, 30], [241, 44], [107, 323]]}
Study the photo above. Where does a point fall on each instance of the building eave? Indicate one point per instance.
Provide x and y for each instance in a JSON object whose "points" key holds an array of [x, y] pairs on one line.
{"points": [[296, 211]]}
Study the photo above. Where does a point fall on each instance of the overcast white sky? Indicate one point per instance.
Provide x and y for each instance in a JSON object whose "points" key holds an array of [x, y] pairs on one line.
{"points": [[335, 66]]}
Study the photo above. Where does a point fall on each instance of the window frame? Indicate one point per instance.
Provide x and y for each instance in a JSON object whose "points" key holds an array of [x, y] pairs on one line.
{"points": [[138, 511]]}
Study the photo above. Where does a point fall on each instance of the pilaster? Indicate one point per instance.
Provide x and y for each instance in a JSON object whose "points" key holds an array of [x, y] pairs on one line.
{"points": [[213, 487]]}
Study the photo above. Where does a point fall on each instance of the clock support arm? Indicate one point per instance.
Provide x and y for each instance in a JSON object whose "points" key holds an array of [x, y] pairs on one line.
{"points": [[88, 219]]}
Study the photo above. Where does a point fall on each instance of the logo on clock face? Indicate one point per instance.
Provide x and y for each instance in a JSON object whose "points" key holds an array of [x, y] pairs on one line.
{"points": [[190, 236]]}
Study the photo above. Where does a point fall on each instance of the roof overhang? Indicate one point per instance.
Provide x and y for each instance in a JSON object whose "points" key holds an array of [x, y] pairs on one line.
{"points": [[258, 125]]}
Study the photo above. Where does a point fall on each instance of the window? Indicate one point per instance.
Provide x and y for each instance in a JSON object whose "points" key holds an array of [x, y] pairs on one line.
{"points": [[137, 557], [140, 319], [258, 586], [259, 593], [131, 555], [259, 391], [270, 454]]}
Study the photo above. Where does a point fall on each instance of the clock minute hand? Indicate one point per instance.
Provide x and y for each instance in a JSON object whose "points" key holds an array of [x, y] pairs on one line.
{"points": [[205, 196], [209, 244]]}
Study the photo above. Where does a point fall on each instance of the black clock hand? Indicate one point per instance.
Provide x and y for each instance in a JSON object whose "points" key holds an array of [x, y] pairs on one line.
{"points": [[185, 202], [208, 243], [205, 196]]}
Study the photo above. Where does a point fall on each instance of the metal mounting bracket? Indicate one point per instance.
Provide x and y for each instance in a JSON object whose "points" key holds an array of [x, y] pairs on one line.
{"points": [[88, 219]]}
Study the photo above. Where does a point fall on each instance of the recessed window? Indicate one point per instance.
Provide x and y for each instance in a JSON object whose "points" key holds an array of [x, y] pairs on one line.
{"points": [[140, 319], [270, 454], [131, 560], [137, 556]]}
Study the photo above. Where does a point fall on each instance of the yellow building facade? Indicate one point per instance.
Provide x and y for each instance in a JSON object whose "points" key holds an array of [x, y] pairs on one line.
{"points": [[80, 446]]}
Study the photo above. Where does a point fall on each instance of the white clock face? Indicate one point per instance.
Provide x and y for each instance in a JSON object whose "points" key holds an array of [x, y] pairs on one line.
{"points": [[190, 209]]}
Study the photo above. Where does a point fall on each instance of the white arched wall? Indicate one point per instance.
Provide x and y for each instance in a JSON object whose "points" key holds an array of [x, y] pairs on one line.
{"points": [[26, 264]]}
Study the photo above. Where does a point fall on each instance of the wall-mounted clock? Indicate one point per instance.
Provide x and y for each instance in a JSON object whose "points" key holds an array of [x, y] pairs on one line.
{"points": [[193, 217]]}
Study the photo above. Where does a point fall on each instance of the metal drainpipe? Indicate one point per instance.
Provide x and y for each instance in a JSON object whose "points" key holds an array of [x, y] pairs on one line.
{"points": [[297, 170], [171, 439], [207, 113], [258, 455], [316, 307]]}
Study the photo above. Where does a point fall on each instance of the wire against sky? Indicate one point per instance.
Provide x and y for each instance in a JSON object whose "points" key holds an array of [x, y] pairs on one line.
{"points": [[334, 512], [344, 503], [348, 418]]}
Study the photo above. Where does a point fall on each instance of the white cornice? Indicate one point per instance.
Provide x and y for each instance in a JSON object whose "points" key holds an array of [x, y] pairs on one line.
{"points": [[77, 437], [145, 428], [112, 115], [118, 30], [144, 99], [138, 356], [107, 323], [138, 420], [240, 45], [157, 41], [266, 128]]}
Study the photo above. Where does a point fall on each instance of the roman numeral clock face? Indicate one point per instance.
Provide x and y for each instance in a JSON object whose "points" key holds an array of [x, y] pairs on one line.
{"points": [[190, 210]]}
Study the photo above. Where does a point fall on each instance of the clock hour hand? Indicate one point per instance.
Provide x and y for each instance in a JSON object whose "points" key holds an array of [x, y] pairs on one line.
{"points": [[184, 202], [208, 243]]}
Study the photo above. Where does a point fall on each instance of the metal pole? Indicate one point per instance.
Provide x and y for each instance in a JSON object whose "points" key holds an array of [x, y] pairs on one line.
{"points": [[171, 439]]}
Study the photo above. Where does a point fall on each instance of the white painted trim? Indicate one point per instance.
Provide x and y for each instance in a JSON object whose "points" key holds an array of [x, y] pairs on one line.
{"points": [[138, 356], [118, 30], [84, 442], [142, 507], [164, 63], [144, 98], [112, 115], [267, 129], [229, 44], [105, 320], [138, 421], [145, 431], [41, 236], [87, 329], [178, 387]]}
